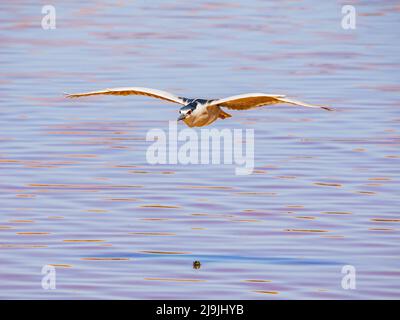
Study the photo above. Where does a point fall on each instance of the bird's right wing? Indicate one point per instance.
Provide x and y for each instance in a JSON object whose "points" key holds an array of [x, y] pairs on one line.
{"points": [[159, 94]]}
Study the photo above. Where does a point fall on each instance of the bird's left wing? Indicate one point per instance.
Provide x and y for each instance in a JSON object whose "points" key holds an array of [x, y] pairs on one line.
{"points": [[253, 100], [159, 94]]}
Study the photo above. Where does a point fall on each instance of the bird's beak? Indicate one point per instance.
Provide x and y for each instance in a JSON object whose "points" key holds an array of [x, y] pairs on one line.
{"points": [[181, 117]]}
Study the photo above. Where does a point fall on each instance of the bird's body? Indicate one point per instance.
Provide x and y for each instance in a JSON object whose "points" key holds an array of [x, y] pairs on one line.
{"points": [[202, 116], [203, 112]]}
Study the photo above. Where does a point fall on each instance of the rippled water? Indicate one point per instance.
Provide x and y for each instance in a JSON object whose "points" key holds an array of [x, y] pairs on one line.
{"points": [[77, 193]]}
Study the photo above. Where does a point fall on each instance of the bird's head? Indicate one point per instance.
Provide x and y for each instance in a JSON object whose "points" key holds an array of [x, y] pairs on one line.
{"points": [[186, 111]]}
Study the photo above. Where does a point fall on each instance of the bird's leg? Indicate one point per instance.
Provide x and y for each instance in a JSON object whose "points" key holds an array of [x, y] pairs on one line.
{"points": [[223, 115]]}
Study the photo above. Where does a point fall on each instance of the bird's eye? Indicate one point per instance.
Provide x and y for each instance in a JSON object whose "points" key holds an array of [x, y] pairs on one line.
{"points": [[189, 112]]}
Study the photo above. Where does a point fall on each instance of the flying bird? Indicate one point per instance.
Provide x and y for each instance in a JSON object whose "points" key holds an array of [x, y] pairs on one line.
{"points": [[202, 112]]}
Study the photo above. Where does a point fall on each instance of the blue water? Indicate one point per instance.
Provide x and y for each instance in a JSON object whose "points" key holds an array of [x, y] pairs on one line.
{"points": [[77, 192]]}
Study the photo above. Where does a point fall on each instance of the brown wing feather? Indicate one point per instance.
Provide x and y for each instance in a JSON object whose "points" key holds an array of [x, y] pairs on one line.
{"points": [[248, 103], [254, 100], [131, 91]]}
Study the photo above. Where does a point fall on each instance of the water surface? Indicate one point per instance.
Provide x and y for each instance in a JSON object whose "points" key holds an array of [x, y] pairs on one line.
{"points": [[77, 192]]}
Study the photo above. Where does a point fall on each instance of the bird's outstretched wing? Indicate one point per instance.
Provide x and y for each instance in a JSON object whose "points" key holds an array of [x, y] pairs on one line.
{"points": [[132, 91], [253, 100]]}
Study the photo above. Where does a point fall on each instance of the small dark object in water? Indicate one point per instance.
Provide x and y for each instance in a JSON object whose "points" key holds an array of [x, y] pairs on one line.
{"points": [[196, 264]]}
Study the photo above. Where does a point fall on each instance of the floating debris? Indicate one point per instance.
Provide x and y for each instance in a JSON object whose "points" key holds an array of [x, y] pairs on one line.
{"points": [[196, 264]]}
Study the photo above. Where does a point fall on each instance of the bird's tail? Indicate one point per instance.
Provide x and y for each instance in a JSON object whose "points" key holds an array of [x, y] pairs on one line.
{"points": [[303, 104]]}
